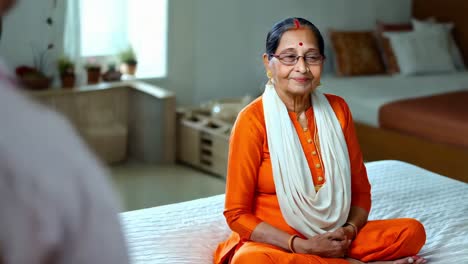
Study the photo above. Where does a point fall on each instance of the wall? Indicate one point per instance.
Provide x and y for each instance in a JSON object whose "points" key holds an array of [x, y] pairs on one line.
{"points": [[215, 46], [181, 64], [25, 26]]}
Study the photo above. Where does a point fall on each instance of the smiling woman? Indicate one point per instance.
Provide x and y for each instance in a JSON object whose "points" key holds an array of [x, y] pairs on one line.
{"points": [[297, 188]]}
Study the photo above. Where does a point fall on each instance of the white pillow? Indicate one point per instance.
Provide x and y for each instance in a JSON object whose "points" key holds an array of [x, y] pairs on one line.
{"points": [[421, 52], [431, 25]]}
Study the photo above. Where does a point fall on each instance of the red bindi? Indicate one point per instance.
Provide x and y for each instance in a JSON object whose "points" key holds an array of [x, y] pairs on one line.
{"points": [[300, 44]]}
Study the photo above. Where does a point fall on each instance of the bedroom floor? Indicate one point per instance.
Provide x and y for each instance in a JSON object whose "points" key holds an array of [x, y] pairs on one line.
{"points": [[143, 185]]}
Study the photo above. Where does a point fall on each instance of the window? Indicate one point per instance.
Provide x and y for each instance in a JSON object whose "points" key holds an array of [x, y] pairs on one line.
{"points": [[110, 26]]}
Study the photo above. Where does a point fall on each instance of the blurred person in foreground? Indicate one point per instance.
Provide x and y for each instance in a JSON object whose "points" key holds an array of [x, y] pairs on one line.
{"points": [[56, 204]]}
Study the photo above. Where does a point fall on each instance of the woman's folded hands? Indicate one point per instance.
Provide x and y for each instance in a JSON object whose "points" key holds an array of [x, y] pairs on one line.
{"points": [[329, 245]]}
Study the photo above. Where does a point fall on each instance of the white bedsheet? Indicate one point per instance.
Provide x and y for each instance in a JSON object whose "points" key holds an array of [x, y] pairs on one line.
{"points": [[189, 232], [366, 94]]}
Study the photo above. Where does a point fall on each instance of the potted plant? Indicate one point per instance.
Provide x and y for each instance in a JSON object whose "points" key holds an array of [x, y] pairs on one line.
{"points": [[111, 75], [32, 78], [66, 70], [93, 70], [128, 61]]}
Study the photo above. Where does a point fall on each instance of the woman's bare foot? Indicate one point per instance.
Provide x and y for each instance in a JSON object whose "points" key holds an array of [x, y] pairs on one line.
{"points": [[406, 260], [409, 260]]}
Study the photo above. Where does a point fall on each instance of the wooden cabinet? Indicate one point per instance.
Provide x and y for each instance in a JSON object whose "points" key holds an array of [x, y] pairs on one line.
{"points": [[203, 142], [120, 121]]}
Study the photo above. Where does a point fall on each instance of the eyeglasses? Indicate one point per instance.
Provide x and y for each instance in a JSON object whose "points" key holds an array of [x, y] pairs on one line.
{"points": [[291, 59]]}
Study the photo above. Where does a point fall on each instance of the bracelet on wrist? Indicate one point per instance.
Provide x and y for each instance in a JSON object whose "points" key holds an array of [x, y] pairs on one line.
{"points": [[355, 229], [290, 243]]}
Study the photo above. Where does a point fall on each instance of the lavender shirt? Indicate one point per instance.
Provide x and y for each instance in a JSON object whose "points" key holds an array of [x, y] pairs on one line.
{"points": [[56, 204]]}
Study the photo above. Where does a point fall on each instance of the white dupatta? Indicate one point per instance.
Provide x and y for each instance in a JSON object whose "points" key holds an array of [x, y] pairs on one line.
{"points": [[304, 209]]}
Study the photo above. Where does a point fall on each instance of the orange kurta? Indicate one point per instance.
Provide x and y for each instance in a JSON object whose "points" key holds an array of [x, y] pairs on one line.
{"points": [[250, 189]]}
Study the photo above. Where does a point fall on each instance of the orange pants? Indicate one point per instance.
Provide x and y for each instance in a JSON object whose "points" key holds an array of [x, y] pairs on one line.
{"points": [[377, 240]]}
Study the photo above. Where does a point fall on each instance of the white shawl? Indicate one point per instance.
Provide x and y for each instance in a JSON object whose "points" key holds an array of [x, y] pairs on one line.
{"points": [[304, 209]]}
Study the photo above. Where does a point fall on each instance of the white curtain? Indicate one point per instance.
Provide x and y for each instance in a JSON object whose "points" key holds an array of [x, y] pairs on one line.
{"points": [[72, 37]]}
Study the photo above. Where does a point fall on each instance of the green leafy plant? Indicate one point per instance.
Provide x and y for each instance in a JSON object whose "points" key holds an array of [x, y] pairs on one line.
{"points": [[128, 56], [65, 66]]}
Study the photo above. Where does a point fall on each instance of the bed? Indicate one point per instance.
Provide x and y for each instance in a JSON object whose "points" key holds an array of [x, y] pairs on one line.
{"points": [[189, 232], [366, 95]]}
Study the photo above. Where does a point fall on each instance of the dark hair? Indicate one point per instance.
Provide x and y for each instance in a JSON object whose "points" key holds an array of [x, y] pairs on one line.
{"points": [[275, 34]]}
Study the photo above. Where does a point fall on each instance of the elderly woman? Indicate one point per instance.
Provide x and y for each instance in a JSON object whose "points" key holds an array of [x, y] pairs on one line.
{"points": [[297, 188]]}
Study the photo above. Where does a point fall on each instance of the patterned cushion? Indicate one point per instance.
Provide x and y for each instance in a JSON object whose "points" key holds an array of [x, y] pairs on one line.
{"points": [[356, 53], [388, 55]]}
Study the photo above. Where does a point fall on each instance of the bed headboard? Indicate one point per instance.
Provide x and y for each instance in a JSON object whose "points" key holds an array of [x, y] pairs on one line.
{"points": [[447, 11]]}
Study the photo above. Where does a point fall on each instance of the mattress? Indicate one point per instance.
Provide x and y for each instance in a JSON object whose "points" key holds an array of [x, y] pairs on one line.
{"points": [[189, 232], [366, 94]]}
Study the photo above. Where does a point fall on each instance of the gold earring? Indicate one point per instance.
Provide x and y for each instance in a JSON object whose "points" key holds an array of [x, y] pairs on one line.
{"points": [[269, 74], [320, 83]]}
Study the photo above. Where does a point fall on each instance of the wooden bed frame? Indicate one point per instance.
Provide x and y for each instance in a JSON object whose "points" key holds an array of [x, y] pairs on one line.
{"points": [[378, 143]]}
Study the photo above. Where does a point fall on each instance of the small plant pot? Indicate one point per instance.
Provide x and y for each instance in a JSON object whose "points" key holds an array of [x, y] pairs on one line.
{"points": [[94, 74], [68, 80], [128, 68], [36, 82], [111, 76]]}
